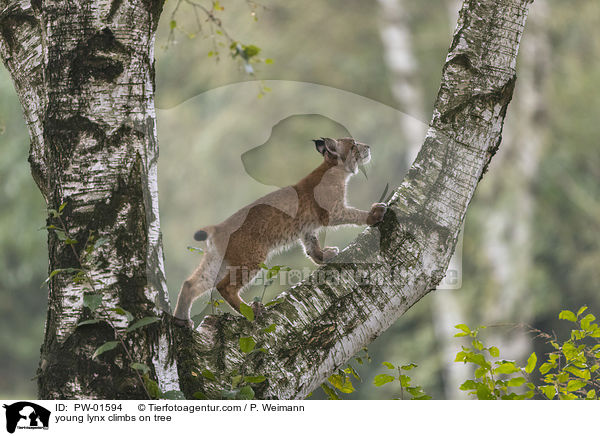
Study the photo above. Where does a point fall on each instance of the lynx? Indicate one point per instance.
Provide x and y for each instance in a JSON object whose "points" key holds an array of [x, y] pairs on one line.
{"points": [[239, 245]]}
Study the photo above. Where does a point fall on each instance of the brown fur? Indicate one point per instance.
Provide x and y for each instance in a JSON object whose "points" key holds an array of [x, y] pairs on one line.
{"points": [[238, 245]]}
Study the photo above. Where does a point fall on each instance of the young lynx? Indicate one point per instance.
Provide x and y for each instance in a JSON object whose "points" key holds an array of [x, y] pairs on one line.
{"points": [[237, 246]]}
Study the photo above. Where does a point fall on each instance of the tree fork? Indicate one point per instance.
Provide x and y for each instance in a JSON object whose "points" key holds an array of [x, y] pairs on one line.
{"points": [[325, 320]]}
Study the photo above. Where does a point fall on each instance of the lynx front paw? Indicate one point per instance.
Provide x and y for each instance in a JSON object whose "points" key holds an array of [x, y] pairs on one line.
{"points": [[376, 214], [329, 253]]}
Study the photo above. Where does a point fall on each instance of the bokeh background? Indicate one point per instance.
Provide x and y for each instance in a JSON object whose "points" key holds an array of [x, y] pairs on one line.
{"points": [[531, 240]]}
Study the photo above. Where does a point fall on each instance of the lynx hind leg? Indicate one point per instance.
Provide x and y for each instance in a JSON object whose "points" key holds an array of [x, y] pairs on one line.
{"points": [[235, 280], [202, 280]]}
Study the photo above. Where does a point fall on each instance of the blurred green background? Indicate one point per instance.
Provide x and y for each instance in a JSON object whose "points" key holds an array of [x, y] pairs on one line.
{"points": [[531, 242]]}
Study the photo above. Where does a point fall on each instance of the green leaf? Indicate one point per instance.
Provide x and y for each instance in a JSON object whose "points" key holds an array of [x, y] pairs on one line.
{"points": [[404, 381], [567, 315], [230, 394], [464, 328], [468, 385], [254, 378], [235, 381], [173, 24], [246, 393], [207, 374], [478, 345], [575, 385], [274, 302], [143, 322], [104, 348], [408, 367], [247, 311], [200, 396], [549, 391], [531, 362], [494, 352], [517, 381], [247, 344], [123, 312], [92, 301], [88, 322], [250, 51], [341, 383], [269, 329], [586, 321], [173, 395], [62, 207], [547, 367], [591, 395], [581, 310], [268, 61], [382, 379], [388, 365], [329, 392], [140, 367], [483, 392], [506, 368], [152, 387], [581, 373]]}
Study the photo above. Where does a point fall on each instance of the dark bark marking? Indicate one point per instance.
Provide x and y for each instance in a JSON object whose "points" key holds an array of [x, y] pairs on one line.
{"points": [[114, 7], [97, 58], [11, 23]]}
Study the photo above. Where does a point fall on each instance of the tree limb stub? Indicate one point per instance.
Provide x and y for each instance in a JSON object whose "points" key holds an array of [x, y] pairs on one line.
{"points": [[325, 320]]}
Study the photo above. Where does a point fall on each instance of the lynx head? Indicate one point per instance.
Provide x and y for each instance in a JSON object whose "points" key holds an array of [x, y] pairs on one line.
{"points": [[345, 152]]}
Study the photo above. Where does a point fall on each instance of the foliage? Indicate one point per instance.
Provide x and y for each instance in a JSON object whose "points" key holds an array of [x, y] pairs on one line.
{"points": [[493, 379], [571, 371]]}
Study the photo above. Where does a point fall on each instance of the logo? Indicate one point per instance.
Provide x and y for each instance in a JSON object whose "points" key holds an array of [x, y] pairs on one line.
{"points": [[26, 415]]}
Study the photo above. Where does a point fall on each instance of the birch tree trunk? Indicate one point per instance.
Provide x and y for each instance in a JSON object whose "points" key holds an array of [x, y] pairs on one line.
{"points": [[84, 73], [322, 322]]}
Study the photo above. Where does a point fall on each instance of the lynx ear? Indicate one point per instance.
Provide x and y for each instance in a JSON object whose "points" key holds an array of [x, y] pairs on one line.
{"points": [[326, 145], [320, 145]]}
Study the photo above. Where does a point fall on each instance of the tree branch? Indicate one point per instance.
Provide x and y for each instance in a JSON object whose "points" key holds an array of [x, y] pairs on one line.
{"points": [[322, 322]]}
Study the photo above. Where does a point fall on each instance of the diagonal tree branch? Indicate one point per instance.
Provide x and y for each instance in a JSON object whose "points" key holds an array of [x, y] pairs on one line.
{"points": [[322, 322]]}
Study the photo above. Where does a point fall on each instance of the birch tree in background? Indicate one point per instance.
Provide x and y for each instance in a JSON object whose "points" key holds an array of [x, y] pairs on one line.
{"points": [[84, 73], [507, 225]]}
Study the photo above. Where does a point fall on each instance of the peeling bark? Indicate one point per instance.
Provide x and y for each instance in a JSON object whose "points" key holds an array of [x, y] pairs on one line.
{"points": [[322, 322]]}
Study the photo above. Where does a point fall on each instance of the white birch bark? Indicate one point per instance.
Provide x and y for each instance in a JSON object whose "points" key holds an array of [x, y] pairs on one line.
{"points": [[84, 74], [322, 322]]}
